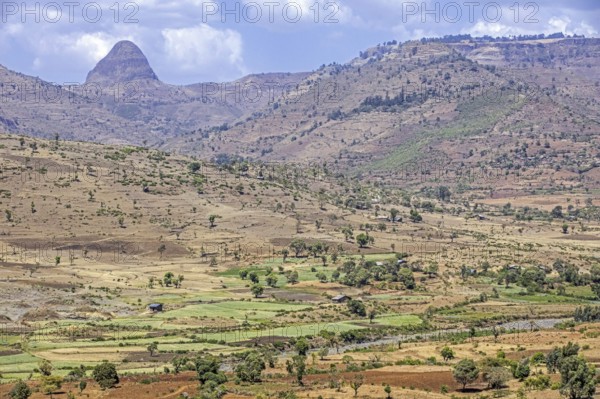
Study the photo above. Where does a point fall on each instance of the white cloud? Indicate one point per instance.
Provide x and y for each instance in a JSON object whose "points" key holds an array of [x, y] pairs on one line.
{"points": [[93, 46], [559, 24], [202, 47], [586, 29], [183, 50], [78, 47], [493, 29], [554, 24]]}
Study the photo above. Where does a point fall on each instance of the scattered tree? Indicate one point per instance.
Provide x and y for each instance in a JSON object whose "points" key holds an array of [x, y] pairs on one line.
{"points": [[253, 276], [208, 369], [388, 391], [20, 391], [578, 378], [257, 290], [45, 367], [522, 370], [179, 363], [212, 219], [51, 384], [178, 281], [357, 307], [251, 367], [293, 277], [105, 374], [465, 372], [168, 278], [297, 366], [161, 249], [497, 377], [356, 383], [285, 253], [302, 346], [323, 352], [447, 353], [298, 246], [363, 240], [212, 380], [152, 348], [271, 280]]}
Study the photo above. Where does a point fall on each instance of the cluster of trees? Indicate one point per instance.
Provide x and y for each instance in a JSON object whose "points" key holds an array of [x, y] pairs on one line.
{"points": [[578, 378], [362, 273], [248, 369], [487, 38], [532, 278], [210, 377], [271, 279], [251, 367], [105, 374], [320, 249], [364, 239], [390, 103], [570, 274], [573, 213], [587, 314], [441, 193], [537, 279], [168, 280], [317, 249]]}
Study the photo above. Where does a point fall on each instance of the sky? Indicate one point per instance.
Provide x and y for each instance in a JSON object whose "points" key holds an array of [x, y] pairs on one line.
{"points": [[191, 41]]}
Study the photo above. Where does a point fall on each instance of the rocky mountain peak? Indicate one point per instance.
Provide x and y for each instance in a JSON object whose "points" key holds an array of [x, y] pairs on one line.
{"points": [[124, 63]]}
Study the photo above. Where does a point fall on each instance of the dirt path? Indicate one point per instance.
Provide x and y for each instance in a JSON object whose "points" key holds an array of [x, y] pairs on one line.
{"points": [[181, 390]]}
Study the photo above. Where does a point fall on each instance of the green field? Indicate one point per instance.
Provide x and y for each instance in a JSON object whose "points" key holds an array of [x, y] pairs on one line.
{"points": [[398, 320], [238, 310]]}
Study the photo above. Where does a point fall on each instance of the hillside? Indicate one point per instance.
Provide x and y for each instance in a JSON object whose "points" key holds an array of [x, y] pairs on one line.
{"points": [[526, 107], [91, 234], [126, 211], [437, 103]]}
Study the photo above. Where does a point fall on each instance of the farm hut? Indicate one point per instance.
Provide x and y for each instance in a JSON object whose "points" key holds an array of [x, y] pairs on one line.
{"points": [[156, 307], [340, 298]]}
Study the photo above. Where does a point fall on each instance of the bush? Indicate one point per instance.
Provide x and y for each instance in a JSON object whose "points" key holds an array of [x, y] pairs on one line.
{"points": [[20, 391], [357, 307], [497, 377], [250, 369], [538, 383]]}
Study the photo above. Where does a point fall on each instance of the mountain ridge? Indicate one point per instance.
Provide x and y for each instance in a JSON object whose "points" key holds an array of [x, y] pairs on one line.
{"points": [[392, 103]]}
